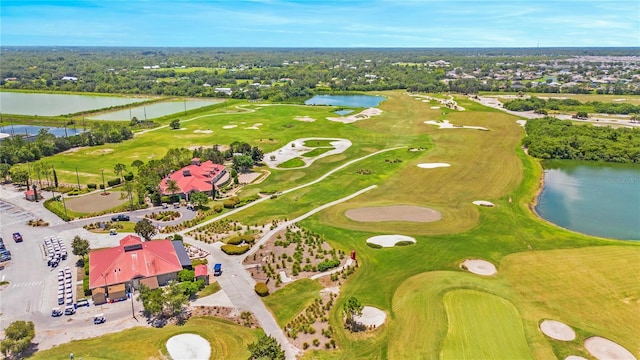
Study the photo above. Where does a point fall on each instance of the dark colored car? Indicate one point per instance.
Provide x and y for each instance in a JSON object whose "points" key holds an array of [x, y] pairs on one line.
{"points": [[17, 237], [69, 310], [56, 312], [99, 319], [120, 217]]}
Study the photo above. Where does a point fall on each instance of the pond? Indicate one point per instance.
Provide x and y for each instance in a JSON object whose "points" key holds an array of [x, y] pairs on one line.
{"points": [[31, 130], [592, 198], [361, 101], [155, 110], [57, 104]]}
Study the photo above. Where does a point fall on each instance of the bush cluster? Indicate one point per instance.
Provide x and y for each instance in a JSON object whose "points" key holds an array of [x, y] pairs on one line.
{"points": [[239, 239], [261, 289], [114, 182], [235, 249]]}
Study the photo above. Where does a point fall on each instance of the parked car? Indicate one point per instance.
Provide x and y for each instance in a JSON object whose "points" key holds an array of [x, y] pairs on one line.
{"points": [[217, 269], [60, 300], [56, 312], [165, 206], [99, 319], [17, 237], [5, 258], [120, 217], [82, 302], [69, 310]]}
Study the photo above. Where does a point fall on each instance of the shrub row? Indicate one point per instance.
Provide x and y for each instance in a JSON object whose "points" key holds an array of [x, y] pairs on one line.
{"points": [[235, 249], [239, 239], [328, 264], [114, 182], [50, 205]]}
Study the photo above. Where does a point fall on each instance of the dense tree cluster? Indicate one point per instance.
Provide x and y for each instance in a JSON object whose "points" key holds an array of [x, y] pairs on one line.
{"points": [[16, 149], [535, 103], [551, 138]]}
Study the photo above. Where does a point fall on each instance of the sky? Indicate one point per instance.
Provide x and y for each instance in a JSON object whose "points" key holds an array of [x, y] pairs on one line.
{"points": [[315, 23]]}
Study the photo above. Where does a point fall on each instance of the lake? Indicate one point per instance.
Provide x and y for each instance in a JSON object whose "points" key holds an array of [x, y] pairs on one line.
{"points": [[363, 101], [592, 198], [57, 104], [155, 110], [34, 130]]}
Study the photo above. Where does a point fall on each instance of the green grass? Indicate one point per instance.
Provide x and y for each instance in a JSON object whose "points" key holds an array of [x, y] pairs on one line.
{"points": [[316, 152], [317, 143], [289, 301], [228, 341], [209, 290], [483, 326], [292, 163]]}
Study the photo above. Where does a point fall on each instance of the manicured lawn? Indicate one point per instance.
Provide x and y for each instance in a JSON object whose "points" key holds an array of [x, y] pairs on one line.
{"points": [[317, 143], [292, 163], [209, 290], [289, 301], [483, 326], [228, 341], [316, 152]]}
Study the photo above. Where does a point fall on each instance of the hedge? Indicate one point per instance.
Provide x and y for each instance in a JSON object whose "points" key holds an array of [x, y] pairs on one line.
{"points": [[328, 264], [114, 182], [261, 289], [235, 249], [239, 239], [48, 204], [92, 186]]}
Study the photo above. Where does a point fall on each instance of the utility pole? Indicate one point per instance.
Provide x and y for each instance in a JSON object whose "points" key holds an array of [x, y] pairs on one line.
{"points": [[77, 178], [104, 188], [185, 107]]}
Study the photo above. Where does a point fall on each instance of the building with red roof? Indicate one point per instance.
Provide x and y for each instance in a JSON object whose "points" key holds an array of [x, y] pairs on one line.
{"points": [[133, 262], [201, 273], [197, 177], [33, 195]]}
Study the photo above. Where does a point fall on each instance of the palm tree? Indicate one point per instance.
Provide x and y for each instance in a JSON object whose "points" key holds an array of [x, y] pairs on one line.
{"points": [[172, 186], [119, 168]]}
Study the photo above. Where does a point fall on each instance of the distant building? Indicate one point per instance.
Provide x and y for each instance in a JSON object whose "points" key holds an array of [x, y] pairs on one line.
{"points": [[70, 78], [197, 177], [33, 195]]}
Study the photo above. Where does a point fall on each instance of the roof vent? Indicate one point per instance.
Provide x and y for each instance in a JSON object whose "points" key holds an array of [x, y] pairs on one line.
{"points": [[133, 247]]}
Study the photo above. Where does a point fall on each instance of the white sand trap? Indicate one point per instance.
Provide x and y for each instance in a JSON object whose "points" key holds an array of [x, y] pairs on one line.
{"points": [[304, 118], [445, 124], [188, 346], [371, 316], [522, 122], [203, 131], [297, 147], [480, 267], [557, 330], [254, 127], [483, 203], [393, 213], [389, 240], [605, 349], [364, 114], [229, 126], [433, 165], [435, 107], [575, 357]]}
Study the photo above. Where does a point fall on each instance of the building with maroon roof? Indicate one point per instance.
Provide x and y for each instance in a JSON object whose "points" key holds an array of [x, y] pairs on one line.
{"points": [[197, 177], [133, 262]]}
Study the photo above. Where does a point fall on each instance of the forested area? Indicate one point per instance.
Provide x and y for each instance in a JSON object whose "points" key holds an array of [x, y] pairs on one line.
{"points": [[568, 105], [551, 138]]}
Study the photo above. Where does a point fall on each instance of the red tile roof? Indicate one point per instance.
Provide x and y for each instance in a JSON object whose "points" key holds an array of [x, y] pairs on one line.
{"points": [[194, 177], [201, 270], [131, 259]]}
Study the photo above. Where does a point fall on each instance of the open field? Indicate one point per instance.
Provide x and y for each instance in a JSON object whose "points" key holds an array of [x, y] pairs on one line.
{"points": [[227, 341], [543, 272]]}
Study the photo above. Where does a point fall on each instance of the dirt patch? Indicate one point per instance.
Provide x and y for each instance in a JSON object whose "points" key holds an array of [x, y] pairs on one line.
{"points": [[365, 114], [95, 202], [389, 240], [605, 349], [394, 213], [557, 330], [304, 118], [248, 177], [479, 267], [100, 152]]}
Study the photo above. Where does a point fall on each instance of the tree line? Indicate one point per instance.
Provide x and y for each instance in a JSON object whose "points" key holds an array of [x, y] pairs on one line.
{"points": [[551, 138], [538, 104]]}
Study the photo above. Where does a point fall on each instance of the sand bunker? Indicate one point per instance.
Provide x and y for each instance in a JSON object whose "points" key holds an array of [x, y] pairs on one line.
{"points": [[364, 114], [296, 148], [394, 213], [575, 357], [557, 330], [480, 267], [304, 118], [483, 203], [433, 165], [254, 127], [389, 240], [522, 122], [435, 107], [229, 126], [188, 346], [203, 131], [371, 316], [445, 124], [602, 349]]}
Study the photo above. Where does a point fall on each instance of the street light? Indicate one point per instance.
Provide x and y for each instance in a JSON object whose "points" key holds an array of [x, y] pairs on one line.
{"points": [[104, 188]]}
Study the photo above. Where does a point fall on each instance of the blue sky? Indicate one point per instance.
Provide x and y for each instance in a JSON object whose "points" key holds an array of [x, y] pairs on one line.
{"points": [[312, 23]]}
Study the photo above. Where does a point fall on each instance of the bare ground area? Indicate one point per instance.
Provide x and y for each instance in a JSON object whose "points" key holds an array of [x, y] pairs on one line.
{"points": [[95, 202], [394, 213]]}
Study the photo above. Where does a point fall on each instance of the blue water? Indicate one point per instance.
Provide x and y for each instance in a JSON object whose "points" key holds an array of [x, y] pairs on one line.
{"points": [[364, 101], [31, 130], [592, 198], [343, 112]]}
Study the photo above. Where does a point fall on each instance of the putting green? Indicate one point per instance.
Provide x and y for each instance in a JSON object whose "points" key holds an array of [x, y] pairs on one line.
{"points": [[483, 326]]}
